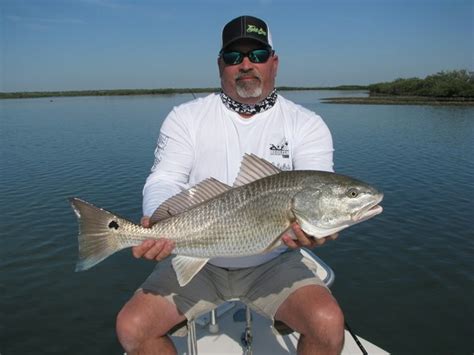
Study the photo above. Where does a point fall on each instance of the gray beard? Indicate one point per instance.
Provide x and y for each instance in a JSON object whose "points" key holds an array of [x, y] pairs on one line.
{"points": [[248, 90]]}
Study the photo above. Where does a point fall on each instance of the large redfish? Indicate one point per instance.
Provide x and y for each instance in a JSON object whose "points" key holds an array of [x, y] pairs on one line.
{"points": [[213, 219]]}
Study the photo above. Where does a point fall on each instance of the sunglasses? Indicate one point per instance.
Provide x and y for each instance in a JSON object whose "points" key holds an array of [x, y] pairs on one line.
{"points": [[255, 56]]}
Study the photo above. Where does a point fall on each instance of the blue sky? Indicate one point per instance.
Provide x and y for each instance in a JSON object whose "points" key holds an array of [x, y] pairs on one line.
{"points": [[109, 44]]}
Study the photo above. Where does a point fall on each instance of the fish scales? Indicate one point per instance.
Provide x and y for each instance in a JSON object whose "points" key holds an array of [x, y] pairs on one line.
{"points": [[259, 211]]}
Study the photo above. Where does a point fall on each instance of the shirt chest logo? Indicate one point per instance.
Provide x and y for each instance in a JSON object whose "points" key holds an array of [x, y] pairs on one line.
{"points": [[280, 148]]}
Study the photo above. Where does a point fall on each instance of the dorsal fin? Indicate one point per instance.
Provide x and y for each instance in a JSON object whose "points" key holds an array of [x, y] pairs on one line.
{"points": [[254, 168], [186, 199]]}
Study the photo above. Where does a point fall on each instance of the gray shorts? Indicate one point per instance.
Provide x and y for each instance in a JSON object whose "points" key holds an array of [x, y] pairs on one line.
{"points": [[263, 288]]}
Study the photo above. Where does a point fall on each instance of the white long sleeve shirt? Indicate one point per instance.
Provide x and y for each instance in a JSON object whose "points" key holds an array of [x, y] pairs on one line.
{"points": [[203, 138]]}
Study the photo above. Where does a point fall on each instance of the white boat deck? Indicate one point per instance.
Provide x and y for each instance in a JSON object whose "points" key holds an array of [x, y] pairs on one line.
{"points": [[227, 340]]}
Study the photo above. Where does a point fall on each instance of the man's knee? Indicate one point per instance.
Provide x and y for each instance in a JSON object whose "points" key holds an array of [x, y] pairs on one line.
{"points": [[144, 318], [326, 324], [129, 329], [133, 327], [329, 315]]}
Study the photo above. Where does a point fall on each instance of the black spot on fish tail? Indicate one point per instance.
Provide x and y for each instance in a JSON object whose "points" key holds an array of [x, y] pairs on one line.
{"points": [[114, 225]]}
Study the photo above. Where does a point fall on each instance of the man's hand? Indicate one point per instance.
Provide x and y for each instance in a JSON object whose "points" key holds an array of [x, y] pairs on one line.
{"points": [[304, 240], [153, 249]]}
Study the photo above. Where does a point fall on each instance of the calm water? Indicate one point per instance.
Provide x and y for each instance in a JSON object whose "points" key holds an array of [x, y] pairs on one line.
{"points": [[404, 279]]}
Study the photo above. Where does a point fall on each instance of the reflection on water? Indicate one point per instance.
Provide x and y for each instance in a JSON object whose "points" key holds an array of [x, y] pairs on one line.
{"points": [[399, 275]]}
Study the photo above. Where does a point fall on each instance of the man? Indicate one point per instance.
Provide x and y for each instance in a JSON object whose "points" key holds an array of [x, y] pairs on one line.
{"points": [[208, 137]]}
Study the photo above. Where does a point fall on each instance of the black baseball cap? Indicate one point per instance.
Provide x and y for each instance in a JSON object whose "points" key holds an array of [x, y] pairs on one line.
{"points": [[246, 27]]}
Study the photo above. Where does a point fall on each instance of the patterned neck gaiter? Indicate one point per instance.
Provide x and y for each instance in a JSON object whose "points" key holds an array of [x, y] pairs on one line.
{"points": [[238, 107]]}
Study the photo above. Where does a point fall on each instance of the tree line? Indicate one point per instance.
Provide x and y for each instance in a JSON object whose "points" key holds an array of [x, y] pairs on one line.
{"points": [[445, 84]]}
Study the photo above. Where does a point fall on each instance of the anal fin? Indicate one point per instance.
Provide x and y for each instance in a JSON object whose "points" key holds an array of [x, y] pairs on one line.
{"points": [[186, 267]]}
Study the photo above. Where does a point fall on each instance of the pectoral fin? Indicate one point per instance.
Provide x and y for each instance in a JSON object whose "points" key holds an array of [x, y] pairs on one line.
{"points": [[278, 242], [186, 267]]}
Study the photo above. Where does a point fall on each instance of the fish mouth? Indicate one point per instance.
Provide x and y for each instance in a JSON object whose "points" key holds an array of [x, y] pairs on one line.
{"points": [[368, 212]]}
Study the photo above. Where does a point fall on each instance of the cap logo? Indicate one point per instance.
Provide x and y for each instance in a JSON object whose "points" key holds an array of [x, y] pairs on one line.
{"points": [[255, 29]]}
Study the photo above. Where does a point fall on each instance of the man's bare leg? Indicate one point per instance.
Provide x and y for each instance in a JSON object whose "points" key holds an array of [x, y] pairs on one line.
{"points": [[143, 323], [315, 314]]}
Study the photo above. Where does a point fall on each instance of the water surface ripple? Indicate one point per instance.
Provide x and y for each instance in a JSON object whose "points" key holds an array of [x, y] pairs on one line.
{"points": [[404, 279]]}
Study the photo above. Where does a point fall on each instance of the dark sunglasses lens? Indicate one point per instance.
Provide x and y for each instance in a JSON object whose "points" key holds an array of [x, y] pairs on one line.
{"points": [[255, 56], [232, 57], [259, 55]]}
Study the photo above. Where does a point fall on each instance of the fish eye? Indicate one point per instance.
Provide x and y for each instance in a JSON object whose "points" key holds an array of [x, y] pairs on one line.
{"points": [[352, 193]]}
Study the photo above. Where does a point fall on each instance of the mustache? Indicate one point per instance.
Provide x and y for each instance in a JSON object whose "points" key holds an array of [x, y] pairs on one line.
{"points": [[246, 74]]}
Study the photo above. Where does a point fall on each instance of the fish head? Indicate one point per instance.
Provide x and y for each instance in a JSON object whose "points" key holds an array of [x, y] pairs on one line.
{"points": [[329, 203]]}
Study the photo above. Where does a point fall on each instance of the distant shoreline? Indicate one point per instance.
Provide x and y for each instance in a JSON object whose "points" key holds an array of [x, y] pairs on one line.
{"points": [[454, 87], [369, 100], [165, 91], [400, 100]]}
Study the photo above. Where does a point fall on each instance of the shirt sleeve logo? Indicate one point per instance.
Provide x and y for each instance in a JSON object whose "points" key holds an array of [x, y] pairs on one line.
{"points": [[160, 147]]}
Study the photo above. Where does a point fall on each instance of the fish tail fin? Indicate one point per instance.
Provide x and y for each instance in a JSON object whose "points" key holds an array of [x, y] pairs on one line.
{"points": [[98, 233]]}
